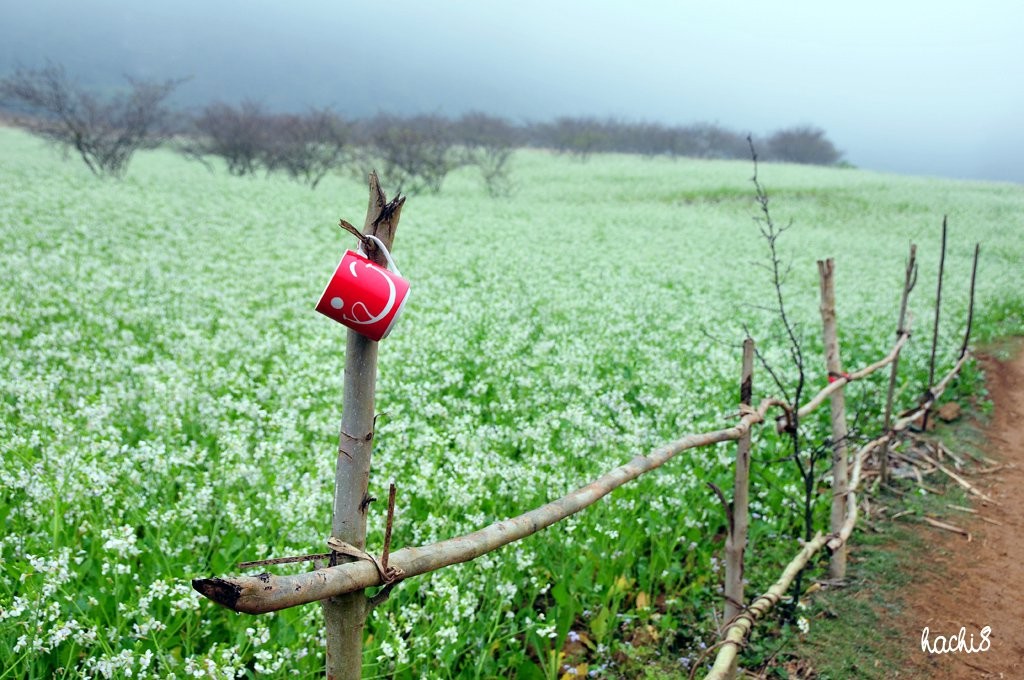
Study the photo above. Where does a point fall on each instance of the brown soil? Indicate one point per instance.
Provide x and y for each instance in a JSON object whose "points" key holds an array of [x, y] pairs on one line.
{"points": [[979, 582]]}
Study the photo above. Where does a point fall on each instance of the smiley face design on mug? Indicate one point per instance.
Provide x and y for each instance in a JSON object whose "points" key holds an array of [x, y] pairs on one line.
{"points": [[364, 296]]}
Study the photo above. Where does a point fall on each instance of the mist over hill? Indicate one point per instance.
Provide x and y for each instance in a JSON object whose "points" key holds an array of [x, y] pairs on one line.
{"points": [[897, 88]]}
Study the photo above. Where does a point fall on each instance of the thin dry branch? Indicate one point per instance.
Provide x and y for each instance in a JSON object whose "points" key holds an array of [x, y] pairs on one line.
{"points": [[972, 511], [956, 478], [909, 281], [917, 466], [946, 526], [957, 460]]}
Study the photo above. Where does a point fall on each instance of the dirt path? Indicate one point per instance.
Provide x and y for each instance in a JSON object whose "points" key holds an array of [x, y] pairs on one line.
{"points": [[981, 582]]}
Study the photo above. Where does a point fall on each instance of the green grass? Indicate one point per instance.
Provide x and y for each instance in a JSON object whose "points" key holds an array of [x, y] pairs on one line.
{"points": [[853, 629], [170, 401]]}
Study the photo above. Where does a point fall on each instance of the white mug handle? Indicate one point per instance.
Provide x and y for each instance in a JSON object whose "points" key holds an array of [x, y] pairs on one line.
{"points": [[387, 255]]}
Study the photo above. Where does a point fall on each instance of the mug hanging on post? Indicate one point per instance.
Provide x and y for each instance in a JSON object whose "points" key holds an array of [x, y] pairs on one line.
{"points": [[363, 295]]}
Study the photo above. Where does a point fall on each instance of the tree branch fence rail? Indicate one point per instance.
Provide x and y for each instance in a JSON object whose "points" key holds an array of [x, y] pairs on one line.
{"points": [[347, 570]]}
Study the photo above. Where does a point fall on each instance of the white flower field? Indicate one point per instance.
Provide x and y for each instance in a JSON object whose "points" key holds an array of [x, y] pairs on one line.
{"points": [[170, 402]]}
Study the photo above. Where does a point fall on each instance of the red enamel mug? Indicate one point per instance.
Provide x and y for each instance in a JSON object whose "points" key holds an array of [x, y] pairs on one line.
{"points": [[365, 296]]}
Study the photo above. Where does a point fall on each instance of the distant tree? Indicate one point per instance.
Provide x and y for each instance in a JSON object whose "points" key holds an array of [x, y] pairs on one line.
{"points": [[307, 146], [239, 135], [802, 144], [653, 139], [415, 154], [582, 137], [708, 140], [488, 143], [105, 132], [579, 137]]}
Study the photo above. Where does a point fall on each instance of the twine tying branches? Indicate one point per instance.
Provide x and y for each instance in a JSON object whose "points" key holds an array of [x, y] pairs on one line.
{"points": [[340, 547], [389, 574]]}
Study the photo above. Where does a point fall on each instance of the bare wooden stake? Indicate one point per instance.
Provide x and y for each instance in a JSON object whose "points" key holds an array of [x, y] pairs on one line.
{"points": [[962, 508], [840, 481], [387, 528], [938, 307], [970, 306], [345, 615], [736, 541], [909, 280]]}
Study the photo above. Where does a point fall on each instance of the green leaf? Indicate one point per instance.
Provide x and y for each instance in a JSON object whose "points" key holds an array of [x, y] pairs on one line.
{"points": [[599, 625], [528, 670]]}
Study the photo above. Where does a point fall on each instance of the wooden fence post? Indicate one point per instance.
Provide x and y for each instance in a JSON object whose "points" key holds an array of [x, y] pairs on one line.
{"points": [[736, 541], [970, 306], [938, 307], [840, 481], [345, 615], [908, 284]]}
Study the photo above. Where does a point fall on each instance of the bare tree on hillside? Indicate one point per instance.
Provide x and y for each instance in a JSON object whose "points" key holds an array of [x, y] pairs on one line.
{"points": [[105, 132], [579, 137], [306, 147], [239, 135], [802, 144], [653, 139], [488, 143], [415, 154], [709, 140]]}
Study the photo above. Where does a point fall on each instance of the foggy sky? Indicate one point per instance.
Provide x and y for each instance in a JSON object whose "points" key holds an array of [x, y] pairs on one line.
{"points": [[913, 87]]}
